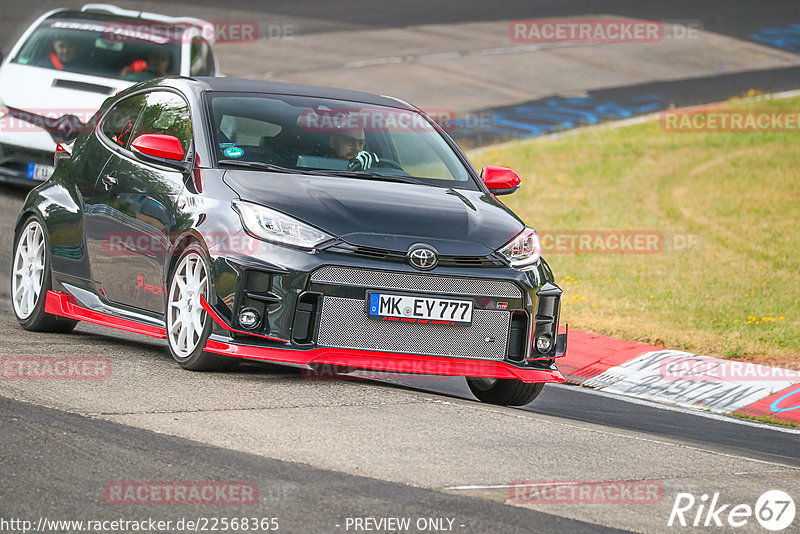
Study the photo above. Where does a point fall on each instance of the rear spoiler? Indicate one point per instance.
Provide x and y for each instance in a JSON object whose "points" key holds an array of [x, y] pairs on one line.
{"points": [[206, 29]]}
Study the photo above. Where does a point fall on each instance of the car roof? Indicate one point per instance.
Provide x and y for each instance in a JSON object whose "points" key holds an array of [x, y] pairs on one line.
{"points": [[282, 88], [102, 16]]}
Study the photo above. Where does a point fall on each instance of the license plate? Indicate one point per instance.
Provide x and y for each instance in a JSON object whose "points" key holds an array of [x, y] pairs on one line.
{"points": [[418, 309], [37, 171]]}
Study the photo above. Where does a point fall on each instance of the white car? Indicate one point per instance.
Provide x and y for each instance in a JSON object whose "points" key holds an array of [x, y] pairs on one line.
{"points": [[68, 62]]}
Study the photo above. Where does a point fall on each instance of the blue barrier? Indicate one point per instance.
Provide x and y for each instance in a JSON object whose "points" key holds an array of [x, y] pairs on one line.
{"points": [[785, 38], [555, 114]]}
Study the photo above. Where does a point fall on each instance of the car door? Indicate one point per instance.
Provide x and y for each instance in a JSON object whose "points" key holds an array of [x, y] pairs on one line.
{"points": [[100, 223], [140, 203]]}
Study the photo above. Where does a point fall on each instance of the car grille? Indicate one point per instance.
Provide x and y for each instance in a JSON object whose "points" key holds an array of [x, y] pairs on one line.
{"points": [[400, 257], [416, 282], [343, 324]]}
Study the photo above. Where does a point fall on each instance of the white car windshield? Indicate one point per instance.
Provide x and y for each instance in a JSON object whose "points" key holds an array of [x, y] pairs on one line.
{"points": [[109, 49]]}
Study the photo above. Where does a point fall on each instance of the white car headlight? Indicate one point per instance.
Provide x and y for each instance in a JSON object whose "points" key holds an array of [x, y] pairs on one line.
{"points": [[524, 251], [271, 225]]}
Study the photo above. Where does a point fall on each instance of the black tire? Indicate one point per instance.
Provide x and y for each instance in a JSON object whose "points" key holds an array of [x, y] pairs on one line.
{"points": [[198, 359], [505, 392], [38, 320]]}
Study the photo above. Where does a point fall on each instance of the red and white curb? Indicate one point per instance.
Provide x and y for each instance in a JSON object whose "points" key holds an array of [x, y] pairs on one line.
{"points": [[680, 378]]}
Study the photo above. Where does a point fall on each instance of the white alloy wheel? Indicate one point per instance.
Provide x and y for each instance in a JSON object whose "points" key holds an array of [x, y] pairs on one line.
{"points": [[185, 315], [27, 275]]}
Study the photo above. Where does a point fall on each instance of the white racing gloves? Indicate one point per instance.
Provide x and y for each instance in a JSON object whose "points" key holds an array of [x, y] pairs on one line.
{"points": [[362, 161]]}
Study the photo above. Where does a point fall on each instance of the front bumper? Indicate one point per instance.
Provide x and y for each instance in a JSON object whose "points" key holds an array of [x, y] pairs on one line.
{"points": [[66, 305], [15, 164], [314, 313]]}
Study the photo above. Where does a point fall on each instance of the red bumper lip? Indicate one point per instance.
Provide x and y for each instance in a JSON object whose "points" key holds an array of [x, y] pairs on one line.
{"points": [[65, 305], [387, 361]]}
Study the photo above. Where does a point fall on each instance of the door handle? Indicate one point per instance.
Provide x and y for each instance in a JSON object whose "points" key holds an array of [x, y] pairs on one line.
{"points": [[110, 181]]}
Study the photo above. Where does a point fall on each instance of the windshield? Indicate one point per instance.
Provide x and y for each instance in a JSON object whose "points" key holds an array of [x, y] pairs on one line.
{"points": [[99, 49], [316, 135]]}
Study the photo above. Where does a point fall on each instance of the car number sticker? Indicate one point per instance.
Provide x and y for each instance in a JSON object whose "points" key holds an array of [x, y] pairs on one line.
{"points": [[234, 152]]}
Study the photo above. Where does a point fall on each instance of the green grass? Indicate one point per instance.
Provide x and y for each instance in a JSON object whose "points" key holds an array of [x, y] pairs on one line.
{"points": [[737, 293], [765, 419]]}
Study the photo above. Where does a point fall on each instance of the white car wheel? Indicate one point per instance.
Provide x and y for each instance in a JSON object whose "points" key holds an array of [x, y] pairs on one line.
{"points": [[28, 270], [185, 315]]}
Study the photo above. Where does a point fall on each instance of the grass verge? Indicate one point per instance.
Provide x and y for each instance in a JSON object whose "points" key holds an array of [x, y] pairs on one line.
{"points": [[765, 419], [727, 205]]}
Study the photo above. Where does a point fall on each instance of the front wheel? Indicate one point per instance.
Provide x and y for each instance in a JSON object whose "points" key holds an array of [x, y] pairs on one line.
{"points": [[188, 324], [505, 392]]}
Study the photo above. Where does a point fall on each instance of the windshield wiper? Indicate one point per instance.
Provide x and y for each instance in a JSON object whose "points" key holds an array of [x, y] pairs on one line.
{"points": [[364, 175], [262, 166], [374, 176]]}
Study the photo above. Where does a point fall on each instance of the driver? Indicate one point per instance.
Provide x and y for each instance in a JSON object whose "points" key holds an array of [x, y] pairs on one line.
{"points": [[349, 144], [65, 52], [157, 61]]}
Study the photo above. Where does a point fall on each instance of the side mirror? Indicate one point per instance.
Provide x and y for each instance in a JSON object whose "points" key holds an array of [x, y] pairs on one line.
{"points": [[161, 149], [500, 180]]}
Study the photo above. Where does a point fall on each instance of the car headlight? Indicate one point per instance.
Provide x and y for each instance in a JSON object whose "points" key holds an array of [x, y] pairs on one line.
{"points": [[271, 225], [523, 251]]}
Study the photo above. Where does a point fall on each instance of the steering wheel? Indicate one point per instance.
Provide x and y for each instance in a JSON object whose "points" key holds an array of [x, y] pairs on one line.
{"points": [[392, 164]]}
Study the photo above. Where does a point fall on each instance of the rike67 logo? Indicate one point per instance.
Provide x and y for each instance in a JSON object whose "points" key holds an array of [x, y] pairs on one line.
{"points": [[774, 510]]}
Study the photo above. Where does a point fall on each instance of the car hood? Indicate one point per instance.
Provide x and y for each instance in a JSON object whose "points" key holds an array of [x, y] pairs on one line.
{"points": [[387, 215], [52, 92]]}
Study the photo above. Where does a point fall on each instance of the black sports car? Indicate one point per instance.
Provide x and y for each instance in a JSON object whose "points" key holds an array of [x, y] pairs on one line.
{"points": [[293, 224]]}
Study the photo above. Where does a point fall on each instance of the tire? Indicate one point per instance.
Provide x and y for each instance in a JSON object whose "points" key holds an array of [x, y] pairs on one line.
{"points": [[505, 392], [188, 325], [32, 278]]}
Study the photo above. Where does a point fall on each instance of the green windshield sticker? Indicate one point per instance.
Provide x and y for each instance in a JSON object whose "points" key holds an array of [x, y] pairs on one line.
{"points": [[234, 152]]}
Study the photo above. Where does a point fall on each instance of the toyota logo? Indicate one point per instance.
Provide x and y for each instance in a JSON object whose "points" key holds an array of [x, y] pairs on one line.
{"points": [[422, 257]]}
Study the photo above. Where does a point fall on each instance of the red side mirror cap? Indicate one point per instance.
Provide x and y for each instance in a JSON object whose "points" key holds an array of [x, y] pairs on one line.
{"points": [[159, 146], [500, 180]]}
